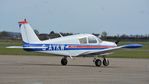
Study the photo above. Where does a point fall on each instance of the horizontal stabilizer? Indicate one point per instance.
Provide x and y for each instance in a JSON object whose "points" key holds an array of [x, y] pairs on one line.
{"points": [[26, 47], [14, 47]]}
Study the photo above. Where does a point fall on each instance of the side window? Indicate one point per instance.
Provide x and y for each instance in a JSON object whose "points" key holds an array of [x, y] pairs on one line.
{"points": [[92, 40], [83, 40]]}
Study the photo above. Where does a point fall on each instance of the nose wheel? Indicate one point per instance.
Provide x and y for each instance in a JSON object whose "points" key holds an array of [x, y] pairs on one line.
{"points": [[98, 62], [64, 61]]}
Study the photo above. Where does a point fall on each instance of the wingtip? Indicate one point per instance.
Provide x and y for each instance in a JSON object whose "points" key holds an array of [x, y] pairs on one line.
{"points": [[133, 46]]}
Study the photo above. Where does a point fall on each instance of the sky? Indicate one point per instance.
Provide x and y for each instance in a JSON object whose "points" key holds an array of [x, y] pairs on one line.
{"points": [[77, 16]]}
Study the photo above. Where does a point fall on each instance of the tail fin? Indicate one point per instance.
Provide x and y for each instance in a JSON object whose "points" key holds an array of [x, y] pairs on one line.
{"points": [[28, 34]]}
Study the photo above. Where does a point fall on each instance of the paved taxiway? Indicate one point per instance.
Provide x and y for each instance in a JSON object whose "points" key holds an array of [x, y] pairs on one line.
{"points": [[47, 70]]}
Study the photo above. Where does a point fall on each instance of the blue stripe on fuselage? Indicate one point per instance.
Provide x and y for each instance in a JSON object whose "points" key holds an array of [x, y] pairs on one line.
{"points": [[60, 47]]}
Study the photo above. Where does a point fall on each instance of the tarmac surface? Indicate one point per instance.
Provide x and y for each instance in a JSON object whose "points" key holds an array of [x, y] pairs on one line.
{"points": [[48, 70]]}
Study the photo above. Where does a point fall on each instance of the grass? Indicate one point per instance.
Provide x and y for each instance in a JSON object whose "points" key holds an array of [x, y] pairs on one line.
{"points": [[123, 53], [130, 54]]}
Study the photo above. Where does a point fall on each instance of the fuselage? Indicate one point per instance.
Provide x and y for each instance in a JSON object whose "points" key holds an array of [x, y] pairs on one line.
{"points": [[74, 45]]}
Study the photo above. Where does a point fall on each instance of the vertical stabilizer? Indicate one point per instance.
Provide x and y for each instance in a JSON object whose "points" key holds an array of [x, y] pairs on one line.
{"points": [[27, 33]]}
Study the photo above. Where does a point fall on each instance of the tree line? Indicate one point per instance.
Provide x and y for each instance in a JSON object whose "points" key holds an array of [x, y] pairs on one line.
{"points": [[5, 35]]}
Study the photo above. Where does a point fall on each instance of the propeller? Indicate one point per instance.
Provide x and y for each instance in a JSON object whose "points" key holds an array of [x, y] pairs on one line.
{"points": [[117, 42]]}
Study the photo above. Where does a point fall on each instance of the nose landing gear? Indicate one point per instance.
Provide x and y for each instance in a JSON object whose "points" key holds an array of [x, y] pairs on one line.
{"points": [[105, 62], [98, 62]]}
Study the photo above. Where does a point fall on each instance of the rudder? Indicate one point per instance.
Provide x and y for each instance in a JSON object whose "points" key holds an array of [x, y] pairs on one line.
{"points": [[27, 33]]}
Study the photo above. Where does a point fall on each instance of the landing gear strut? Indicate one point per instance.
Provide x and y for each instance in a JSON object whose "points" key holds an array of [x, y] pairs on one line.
{"points": [[64, 61], [98, 62]]}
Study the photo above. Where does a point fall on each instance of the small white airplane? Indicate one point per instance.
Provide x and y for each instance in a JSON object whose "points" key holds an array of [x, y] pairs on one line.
{"points": [[69, 46]]}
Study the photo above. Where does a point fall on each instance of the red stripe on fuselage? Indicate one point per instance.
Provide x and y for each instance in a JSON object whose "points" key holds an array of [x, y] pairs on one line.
{"points": [[90, 46]]}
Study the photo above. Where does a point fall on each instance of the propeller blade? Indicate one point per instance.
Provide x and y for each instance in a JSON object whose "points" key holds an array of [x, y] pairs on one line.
{"points": [[117, 41]]}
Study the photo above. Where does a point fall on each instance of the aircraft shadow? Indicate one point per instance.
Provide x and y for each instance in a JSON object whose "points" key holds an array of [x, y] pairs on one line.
{"points": [[70, 65], [48, 65], [60, 65]]}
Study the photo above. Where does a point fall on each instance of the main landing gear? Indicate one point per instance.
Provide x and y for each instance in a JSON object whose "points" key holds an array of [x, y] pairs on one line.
{"points": [[64, 61], [98, 62]]}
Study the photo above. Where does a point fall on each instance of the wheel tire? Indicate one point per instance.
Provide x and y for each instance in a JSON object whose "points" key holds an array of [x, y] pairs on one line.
{"points": [[64, 61], [105, 62], [98, 62]]}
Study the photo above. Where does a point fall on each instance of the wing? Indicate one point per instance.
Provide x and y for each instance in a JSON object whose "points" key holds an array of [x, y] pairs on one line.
{"points": [[107, 50]]}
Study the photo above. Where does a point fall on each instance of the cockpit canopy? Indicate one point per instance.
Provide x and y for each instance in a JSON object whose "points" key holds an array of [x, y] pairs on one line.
{"points": [[89, 40]]}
